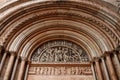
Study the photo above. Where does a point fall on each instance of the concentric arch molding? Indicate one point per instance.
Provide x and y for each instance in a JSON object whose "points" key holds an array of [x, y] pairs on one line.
{"points": [[97, 13], [75, 17], [113, 35]]}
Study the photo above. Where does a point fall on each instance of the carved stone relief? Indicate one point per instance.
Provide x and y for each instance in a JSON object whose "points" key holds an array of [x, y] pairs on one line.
{"points": [[59, 52], [118, 5], [60, 70], [60, 60]]}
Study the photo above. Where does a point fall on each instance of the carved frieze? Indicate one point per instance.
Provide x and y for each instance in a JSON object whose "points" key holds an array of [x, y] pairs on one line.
{"points": [[59, 51], [64, 70]]}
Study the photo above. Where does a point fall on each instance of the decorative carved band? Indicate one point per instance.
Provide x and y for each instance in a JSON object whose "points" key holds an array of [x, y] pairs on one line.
{"points": [[59, 51], [64, 70]]}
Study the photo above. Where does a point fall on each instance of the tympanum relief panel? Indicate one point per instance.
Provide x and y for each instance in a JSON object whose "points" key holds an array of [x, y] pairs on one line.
{"points": [[60, 60], [60, 52]]}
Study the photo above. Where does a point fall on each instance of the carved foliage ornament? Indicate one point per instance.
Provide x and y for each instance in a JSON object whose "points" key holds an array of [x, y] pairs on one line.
{"points": [[58, 52]]}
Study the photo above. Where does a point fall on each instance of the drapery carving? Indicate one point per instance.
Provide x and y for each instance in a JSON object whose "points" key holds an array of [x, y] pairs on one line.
{"points": [[59, 51]]}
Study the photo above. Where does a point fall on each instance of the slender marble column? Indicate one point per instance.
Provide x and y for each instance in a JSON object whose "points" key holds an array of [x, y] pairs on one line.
{"points": [[93, 70], [9, 67], [1, 48], [110, 66], [116, 57], [3, 61], [105, 68], [15, 67], [99, 71], [26, 73], [119, 55], [22, 67], [118, 51]]}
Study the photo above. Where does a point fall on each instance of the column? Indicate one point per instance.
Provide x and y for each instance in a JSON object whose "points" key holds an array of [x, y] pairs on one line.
{"points": [[22, 67], [9, 67], [105, 68], [99, 73], [118, 63], [116, 57], [15, 68], [3, 61], [110, 66], [93, 70], [1, 48], [26, 73], [118, 51], [119, 55]]}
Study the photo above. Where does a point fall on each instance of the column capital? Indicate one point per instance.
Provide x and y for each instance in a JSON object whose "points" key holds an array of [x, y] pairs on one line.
{"points": [[107, 53], [6, 52], [92, 62], [23, 58], [102, 56], [96, 59], [115, 51], [29, 62], [12, 53], [1, 48]]}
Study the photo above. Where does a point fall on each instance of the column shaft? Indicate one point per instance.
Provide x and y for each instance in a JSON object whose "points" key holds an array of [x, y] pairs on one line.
{"points": [[1, 48], [3, 61], [9, 67], [111, 68], [117, 60], [118, 64], [105, 69], [100, 77], [93, 70], [21, 70], [25, 78], [14, 69]]}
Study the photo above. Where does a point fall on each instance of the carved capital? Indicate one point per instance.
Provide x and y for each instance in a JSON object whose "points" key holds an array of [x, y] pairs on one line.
{"points": [[118, 47], [1, 48], [92, 62], [23, 59], [29, 62], [107, 53], [96, 59], [12, 53], [102, 57]]}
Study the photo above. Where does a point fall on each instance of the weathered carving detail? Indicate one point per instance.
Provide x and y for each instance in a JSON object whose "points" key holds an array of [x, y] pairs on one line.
{"points": [[118, 5], [64, 70], [59, 51]]}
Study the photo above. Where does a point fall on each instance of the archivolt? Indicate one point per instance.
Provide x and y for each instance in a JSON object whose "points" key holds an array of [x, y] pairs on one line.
{"points": [[19, 29]]}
